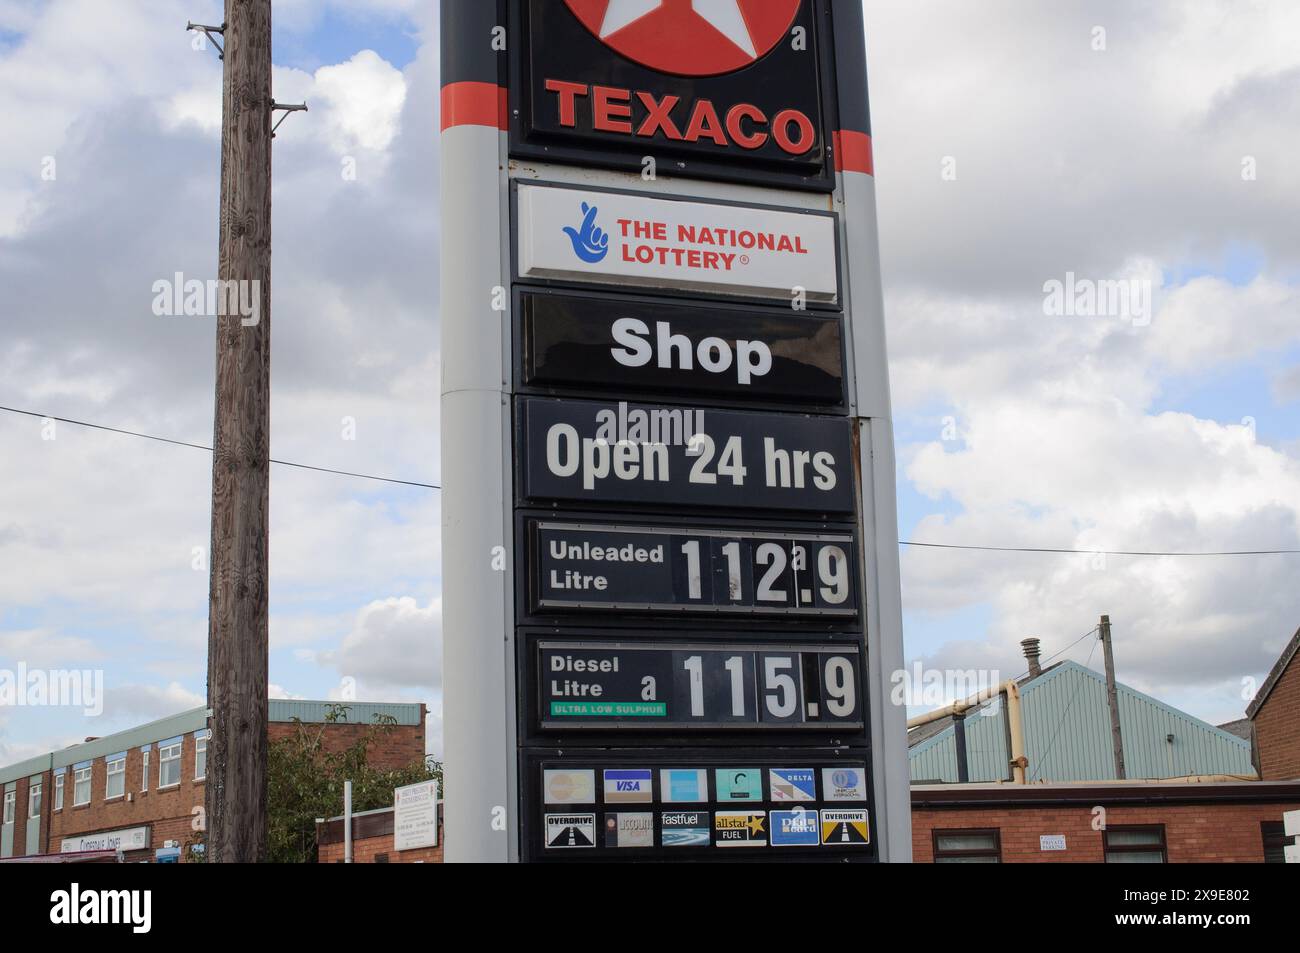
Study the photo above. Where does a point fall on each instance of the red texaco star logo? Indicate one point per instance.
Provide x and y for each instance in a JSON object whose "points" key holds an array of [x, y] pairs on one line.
{"points": [[688, 37]]}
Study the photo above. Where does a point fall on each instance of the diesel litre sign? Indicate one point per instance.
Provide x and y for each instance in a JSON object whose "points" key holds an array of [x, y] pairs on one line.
{"points": [[591, 235], [598, 686], [635, 453]]}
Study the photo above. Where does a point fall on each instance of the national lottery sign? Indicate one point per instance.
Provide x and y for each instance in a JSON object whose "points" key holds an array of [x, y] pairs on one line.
{"points": [[603, 237]]}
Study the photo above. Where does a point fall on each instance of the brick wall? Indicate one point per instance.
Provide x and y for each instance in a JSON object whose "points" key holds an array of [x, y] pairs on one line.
{"points": [[372, 841], [1206, 832], [395, 747], [169, 813], [370, 850], [1277, 727]]}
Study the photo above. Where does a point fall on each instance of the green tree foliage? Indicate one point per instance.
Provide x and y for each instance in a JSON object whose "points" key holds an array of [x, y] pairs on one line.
{"points": [[305, 781]]}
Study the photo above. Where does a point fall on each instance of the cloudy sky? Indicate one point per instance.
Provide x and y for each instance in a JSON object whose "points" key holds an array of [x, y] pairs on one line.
{"points": [[1015, 142]]}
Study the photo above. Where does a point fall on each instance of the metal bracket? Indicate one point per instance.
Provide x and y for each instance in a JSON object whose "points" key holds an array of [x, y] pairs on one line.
{"points": [[300, 108], [208, 31]]}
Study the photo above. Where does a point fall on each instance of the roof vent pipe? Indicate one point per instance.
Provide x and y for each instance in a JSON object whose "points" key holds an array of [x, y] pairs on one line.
{"points": [[1030, 647]]}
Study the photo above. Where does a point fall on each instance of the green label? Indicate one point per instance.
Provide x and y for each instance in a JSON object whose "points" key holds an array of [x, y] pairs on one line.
{"points": [[609, 709]]}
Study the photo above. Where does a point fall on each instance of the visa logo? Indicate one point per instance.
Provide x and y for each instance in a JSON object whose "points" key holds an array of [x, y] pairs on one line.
{"points": [[627, 786]]}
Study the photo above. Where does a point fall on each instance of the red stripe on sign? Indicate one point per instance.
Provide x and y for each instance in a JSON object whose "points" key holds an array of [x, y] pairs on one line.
{"points": [[853, 152], [474, 104]]}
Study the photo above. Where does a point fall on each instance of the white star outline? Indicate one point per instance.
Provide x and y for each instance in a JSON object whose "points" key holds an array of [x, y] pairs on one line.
{"points": [[723, 15]]}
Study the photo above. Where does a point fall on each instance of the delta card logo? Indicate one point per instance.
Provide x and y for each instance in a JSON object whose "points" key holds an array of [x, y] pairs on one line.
{"points": [[689, 37], [683, 786], [590, 241], [739, 784], [569, 831], [628, 786], [792, 784], [684, 829], [742, 829], [844, 828], [569, 787], [629, 830], [844, 784], [797, 828]]}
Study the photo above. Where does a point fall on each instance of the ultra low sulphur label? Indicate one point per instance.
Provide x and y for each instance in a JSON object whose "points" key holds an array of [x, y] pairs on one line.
{"points": [[628, 238]]}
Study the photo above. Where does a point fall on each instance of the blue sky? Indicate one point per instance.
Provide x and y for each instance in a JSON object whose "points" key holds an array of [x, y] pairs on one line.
{"points": [[1076, 433]]}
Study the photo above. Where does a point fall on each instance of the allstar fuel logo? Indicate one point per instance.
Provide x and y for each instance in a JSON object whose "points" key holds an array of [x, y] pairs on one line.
{"points": [[740, 829], [718, 80]]}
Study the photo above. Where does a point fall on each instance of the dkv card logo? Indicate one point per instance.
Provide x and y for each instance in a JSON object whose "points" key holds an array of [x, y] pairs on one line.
{"points": [[590, 241]]}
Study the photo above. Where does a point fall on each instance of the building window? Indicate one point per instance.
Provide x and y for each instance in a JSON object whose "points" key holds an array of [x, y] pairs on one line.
{"points": [[58, 792], [1275, 841], [115, 786], [1135, 845], [968, 847], [144, 771], [169, 765], [11, 798], [200, 756], [81, 786], [34, 801]]}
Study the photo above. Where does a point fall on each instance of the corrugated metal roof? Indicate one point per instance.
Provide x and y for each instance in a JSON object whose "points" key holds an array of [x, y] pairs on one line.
{"points": [[183, 723], [358, 713], [1067, 736]]}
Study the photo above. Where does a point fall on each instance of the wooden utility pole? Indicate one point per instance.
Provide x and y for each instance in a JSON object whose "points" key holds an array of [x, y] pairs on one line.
{"points": [[1112, 698], [237, 601]]}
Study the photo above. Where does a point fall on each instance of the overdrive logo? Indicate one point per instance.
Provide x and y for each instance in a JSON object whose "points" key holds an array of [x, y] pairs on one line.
{"points": [[689, 37]]}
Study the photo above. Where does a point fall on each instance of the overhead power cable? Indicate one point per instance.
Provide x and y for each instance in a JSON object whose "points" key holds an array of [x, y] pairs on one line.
{"points": [[1099, 552], [434, 486], [199, 446]]}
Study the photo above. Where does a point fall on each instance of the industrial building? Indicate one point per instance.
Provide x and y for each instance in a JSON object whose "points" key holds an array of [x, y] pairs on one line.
{"points": [[1032, 773]]}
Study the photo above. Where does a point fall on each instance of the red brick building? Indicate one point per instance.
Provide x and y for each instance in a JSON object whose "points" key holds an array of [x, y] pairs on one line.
{"points": [[1275, 716], [372, 841], [142, 790], [1155, 822]]}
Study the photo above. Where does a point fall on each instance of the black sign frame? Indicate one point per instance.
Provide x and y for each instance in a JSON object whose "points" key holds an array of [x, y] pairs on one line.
{"points": [[841, 499], [573, 44], [533, 806], [713, 624], [537, 345], [537, 727]]}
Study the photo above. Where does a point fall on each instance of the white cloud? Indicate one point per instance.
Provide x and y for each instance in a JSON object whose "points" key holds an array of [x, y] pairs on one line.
{"points": [[364, 99], [1105, 164], [394, 642]]}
